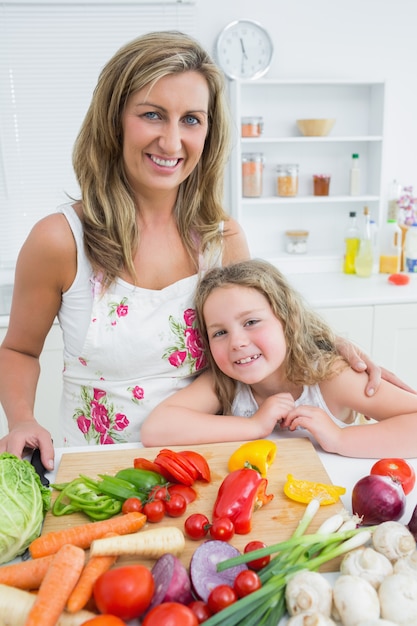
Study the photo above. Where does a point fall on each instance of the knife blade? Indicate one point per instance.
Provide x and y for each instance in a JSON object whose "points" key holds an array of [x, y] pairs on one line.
{"points": [[39, 467]]}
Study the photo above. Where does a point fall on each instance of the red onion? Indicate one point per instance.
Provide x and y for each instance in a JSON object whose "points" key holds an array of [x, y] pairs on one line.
{"points": [[378, 499]]}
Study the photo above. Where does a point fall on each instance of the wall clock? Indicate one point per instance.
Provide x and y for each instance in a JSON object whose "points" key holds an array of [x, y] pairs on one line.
{"points": [[244, 49]]}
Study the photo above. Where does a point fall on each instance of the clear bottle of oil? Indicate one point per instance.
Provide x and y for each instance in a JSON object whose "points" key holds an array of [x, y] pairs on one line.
{"points": [[365, 257], [351, 244]]}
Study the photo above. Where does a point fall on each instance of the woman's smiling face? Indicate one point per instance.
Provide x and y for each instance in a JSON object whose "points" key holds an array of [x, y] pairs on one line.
{"points": [[246, 338], [164, 130]]}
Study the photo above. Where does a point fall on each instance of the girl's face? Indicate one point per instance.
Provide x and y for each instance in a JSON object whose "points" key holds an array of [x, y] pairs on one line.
{"points": [[164, 130], [246, 339]]}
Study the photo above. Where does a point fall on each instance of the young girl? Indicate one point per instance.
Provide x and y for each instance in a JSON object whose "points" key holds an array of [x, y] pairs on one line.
{"points": [[273, 361]]}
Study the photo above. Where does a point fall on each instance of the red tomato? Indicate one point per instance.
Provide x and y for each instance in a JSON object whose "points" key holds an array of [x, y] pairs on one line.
{"points": [[399, 470], [131, 505], [188, 492], [220, 597], [200, 610], [256, 564], [105, 620], [159, 493], [170, 614], [196, 526], [246, 582], [175, 505], [124, 591], [222, 528], [398, 279], [154, 510]]}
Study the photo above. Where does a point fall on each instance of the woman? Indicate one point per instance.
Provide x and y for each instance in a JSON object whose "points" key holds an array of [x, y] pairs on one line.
{"points": [[119, 266], [273, 361]]}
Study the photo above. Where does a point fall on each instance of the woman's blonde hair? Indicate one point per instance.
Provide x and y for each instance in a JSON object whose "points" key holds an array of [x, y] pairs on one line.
{"points": [[311, 350], [109, 211]]}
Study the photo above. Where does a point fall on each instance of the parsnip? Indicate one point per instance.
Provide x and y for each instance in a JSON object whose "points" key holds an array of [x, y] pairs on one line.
{"points": [[150, 544], [15, 605]]}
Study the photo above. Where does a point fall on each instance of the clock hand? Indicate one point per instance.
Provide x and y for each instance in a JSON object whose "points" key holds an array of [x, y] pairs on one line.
{"points": [[242, 45]]}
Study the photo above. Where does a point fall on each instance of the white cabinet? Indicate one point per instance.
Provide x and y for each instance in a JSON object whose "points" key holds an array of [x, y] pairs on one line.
{"points": [[358, 107], [386, 332], [49, 388]]}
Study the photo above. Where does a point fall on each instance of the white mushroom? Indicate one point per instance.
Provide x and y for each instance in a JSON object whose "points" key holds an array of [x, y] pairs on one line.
{"points": [[308, 591], [355, 600], [368, 564], [398, 599], [407, 564], [310, 618], [393, 539]]}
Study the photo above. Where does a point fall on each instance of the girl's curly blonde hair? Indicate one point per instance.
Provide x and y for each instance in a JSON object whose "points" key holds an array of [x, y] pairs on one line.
{"points": [[109, 212], [311, 349]]}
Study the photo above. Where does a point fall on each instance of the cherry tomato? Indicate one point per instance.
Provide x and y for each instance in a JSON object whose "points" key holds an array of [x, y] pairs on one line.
{"points": [[188, 492], [170, 614], [196, 526], [131, 505], [125, 591], [220, 597], [154, 510], [246, 582], [398, 469], [201, 610], [105, 620], [175, 505], [222, 529], [256, 564], [398, 279], [159, 493]]}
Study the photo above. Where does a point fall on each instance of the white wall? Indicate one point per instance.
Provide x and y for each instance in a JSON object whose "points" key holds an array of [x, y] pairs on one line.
{"points": [[341, 39]]}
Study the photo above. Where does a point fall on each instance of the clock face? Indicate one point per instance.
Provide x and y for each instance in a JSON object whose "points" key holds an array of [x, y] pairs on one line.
{"points": [[244, 50]]}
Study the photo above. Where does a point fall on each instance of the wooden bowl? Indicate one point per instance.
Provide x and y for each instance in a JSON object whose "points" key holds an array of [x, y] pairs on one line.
{"points": [[316, 128]]}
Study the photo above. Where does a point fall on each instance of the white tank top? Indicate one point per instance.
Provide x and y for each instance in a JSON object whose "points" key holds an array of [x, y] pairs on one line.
{"points": [[126, 349]]}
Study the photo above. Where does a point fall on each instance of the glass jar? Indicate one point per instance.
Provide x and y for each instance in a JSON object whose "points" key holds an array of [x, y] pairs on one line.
{"points": [[287, 180], [296, 241], [252, 126], [252, 169]]}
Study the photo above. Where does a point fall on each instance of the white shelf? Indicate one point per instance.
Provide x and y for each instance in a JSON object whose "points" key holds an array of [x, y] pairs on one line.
{"points": [[358, 107]]}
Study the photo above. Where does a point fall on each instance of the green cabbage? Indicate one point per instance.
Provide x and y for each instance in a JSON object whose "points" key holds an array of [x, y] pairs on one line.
{"points": [[24, 502]]}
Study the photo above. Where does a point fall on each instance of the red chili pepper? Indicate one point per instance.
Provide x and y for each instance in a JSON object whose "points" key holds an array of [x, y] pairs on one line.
{"points": [[241, 492]]}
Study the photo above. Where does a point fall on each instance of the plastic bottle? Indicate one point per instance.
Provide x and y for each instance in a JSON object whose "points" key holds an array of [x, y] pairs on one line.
{"points": [[375, 246], [355, 176], [364, 258], [390, 254], [351, 244], [410, 250]]}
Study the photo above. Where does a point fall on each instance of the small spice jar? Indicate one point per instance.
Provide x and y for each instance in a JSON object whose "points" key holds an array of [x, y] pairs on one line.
{"points": [[287, 180], [252, 169], [296, 241], [252, 126]]}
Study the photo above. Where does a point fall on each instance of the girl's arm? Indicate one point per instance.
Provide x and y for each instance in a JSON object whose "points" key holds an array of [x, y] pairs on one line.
{"points": [[190, 416], [393, 435], [46, 267]]}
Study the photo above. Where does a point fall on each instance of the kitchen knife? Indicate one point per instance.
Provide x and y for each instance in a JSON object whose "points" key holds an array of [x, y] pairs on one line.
{"points": [[39, 467]]}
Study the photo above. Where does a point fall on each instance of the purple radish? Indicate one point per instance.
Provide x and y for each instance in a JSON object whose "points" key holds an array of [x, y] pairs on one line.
{"points": [[172, 582], [203, 567]]}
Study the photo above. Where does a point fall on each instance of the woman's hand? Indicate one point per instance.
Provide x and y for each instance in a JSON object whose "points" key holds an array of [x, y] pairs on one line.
{"points": [[360, 362], [29, 435]]}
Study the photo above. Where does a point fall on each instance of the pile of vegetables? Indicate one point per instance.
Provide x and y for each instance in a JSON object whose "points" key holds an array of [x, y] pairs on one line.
{"points": [[24, 502]]}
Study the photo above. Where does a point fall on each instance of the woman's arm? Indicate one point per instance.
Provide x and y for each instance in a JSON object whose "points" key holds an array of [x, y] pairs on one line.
{"points": [[45, 268]]}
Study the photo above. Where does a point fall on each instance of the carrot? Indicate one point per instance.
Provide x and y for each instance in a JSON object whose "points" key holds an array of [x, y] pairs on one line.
{"points": [[83, 590], [15, 605], [26, 574], [84, 534], [147, 544], [57, 585]]}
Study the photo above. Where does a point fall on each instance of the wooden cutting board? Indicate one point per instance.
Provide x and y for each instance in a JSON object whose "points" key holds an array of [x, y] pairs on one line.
{"points": [[273, 523]]}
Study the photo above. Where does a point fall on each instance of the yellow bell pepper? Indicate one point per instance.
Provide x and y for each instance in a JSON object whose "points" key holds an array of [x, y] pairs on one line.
{"points": [[305, 490], [258, 455]]}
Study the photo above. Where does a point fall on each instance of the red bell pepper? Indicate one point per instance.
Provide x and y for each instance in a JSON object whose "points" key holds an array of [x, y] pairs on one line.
{"points": [[241, 492]]}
